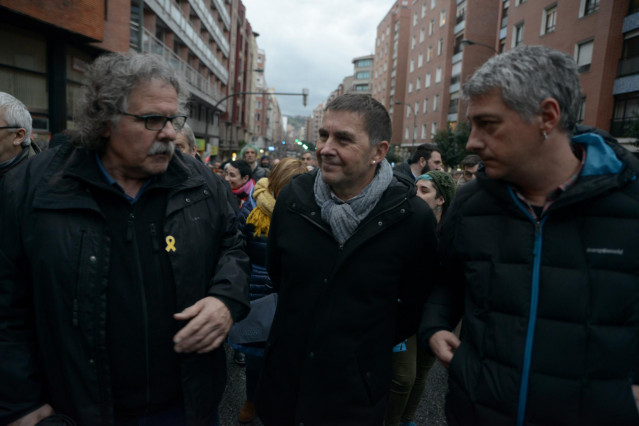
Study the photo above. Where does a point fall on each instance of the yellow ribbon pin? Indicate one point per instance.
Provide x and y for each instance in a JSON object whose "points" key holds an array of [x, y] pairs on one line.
{"points": [[170, 244]]}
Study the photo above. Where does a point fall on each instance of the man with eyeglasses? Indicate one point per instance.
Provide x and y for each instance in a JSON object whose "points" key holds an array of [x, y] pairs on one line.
{"points": [[121, 267], [15, 133]]}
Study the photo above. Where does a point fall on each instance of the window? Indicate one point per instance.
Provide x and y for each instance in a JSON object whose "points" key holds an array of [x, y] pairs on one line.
{"points": [[406, 133], [433, 129], [410, 87], [363, 75], [588, 7], [414, 19], [422, 34], [438, 75], [429, 53], [582, 111], [414, 132], [413, 43], [436, 103], [424, 10], [412, 65], [432, 4], [518, 35], [420, 60], [416, 108], [430, 27], [418, 85], [548, 20], [258, 117], [584, 55], [363, 63], [440, 46], [442, 18], [427, 84], [520, 2], [425, 109], [424, 130]]}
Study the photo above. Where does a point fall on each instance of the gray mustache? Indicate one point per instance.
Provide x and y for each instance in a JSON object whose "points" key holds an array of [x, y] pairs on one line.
{"points": [[161, 148]]}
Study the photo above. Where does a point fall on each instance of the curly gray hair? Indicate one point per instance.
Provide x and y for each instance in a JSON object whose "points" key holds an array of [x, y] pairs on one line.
{"points": [[109, 82], [526, 76]]}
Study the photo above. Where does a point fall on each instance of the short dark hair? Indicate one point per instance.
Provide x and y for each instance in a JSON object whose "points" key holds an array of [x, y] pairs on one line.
{"points": [[424, 150], [470, 161], [377, 122], [242, 166]]}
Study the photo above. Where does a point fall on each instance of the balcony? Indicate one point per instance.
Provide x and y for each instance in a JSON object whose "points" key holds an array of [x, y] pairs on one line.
{"points": [[460, 27], [198, 84], [630, 23], [181, 26]]}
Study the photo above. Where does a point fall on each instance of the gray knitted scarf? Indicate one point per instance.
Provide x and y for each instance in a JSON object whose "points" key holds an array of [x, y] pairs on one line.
{"points": [[345, 216]]}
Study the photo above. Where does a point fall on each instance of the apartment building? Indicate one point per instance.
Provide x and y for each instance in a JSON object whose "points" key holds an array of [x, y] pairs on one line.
{"points": [[390, 66], [362, 77], [45, 48], [603, 38]]}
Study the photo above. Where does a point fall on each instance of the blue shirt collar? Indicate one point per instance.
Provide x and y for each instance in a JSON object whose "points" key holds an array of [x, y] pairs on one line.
{"points": [[109, 179]]}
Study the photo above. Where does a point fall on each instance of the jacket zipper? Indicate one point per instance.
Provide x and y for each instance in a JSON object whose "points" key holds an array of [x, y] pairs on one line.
{"points": [[532, 316], [130, 236]]}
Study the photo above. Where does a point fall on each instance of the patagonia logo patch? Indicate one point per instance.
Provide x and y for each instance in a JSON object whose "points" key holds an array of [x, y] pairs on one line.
{"points": [[597, 250]]}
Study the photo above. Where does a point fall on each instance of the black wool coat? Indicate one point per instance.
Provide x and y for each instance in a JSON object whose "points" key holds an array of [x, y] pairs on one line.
{"points": [[341, 308]]}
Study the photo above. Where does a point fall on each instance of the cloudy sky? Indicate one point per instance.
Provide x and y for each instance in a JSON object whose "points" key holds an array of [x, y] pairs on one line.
{"points": [[311, 43]]}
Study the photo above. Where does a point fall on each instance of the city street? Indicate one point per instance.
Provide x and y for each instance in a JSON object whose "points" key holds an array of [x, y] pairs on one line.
{"points": [[430, 412]]}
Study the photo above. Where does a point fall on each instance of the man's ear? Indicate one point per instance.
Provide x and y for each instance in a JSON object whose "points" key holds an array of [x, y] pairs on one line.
{"points": [[21, 135], [550, 113], [380, 151]]}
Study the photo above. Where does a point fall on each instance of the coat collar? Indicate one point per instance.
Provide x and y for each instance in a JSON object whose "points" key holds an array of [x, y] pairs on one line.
{"points": [[74, 170]]}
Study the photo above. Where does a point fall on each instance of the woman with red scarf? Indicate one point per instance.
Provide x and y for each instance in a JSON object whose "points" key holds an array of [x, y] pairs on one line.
{"points": [[238, 175]]}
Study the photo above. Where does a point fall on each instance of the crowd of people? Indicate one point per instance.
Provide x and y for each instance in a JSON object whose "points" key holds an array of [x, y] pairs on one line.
{"points": [[339, 280]]}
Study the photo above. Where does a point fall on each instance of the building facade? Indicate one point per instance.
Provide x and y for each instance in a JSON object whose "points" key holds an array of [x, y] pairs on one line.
{"points": [[45, 48]]}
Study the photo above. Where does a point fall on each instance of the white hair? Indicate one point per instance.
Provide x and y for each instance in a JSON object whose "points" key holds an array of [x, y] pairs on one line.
{"points": [[16, 114]]}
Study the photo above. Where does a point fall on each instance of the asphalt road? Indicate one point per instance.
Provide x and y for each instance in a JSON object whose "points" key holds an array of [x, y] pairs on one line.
{"points": [[430, 412]]}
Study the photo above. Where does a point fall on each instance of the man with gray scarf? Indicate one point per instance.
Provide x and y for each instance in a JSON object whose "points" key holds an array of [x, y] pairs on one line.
{"points": [[338, 255]]}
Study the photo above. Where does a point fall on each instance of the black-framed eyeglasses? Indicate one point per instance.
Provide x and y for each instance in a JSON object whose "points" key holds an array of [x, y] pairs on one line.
{"points": [[10, 127], [157, 122]]}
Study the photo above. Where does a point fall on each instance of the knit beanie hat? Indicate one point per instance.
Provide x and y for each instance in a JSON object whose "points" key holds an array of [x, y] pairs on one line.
{"points": [[444, 183]]}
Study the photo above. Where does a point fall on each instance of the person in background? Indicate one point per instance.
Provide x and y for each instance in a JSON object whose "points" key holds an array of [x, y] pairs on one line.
{"points": [[255, 221], [15, 134], [347, 280], [265, 162], [185, 141], [469, 166], [427, 157], [437, 188], [106, 317], [238, 175], [307, 159], [540, 257], [249, 154], [411, 362]]}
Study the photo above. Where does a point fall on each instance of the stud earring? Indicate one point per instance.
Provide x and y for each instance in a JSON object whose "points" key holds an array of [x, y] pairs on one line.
{"points": [[545, 135]]}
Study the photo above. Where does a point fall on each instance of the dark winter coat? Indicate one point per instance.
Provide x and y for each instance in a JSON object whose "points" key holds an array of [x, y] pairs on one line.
{"points": [[550, 333], [54, 269], [341, 308]]}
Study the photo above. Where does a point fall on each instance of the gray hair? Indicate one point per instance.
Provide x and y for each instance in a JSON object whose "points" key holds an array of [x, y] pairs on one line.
{"points": [[526, 76], [16, 114], [190, 136], [109, 82], [377, 122]]}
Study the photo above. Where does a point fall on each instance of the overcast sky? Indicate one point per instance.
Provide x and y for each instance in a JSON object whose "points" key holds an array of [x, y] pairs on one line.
{"points": [[311, 43]]}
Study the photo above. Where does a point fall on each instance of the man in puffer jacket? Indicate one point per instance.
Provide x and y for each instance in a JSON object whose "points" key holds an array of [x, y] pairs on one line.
{"points": [[541, 257]]}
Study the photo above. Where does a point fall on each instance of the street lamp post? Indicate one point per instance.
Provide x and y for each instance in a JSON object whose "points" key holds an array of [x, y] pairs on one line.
{"points": [[467, 42]]}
